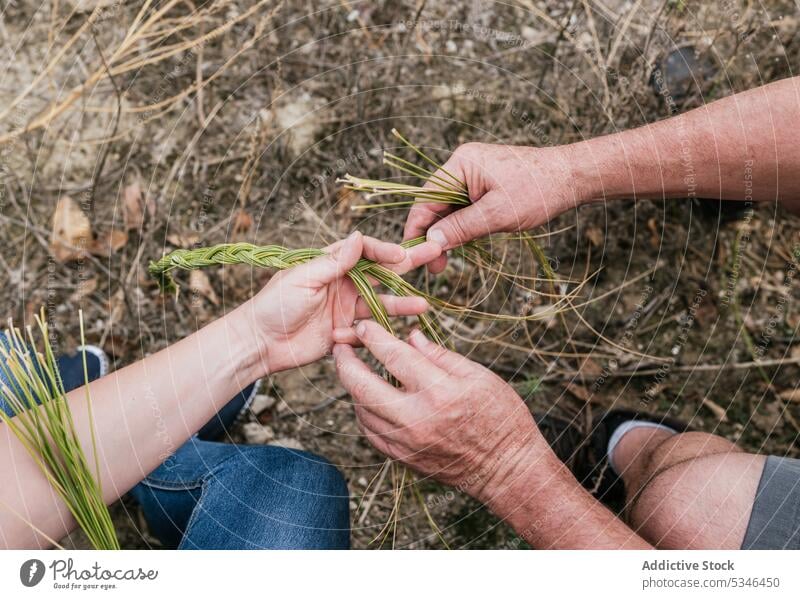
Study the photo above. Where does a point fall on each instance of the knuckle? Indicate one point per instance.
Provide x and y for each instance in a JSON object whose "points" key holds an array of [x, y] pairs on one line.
{"points": [[469, 149], [359, 389], [393, 357]]}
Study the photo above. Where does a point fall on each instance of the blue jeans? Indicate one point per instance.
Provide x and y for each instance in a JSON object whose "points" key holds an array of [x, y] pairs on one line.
{"points": [[218, 496], [212, 495]]}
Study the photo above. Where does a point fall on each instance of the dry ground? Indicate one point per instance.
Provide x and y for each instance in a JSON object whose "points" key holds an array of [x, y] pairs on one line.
{"points": [[298, 93]]}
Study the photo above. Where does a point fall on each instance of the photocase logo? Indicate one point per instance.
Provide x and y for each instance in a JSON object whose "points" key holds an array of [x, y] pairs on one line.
{"points": [[31, 572]]}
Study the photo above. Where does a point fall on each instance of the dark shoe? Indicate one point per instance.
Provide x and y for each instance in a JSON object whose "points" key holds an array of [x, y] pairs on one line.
{"points": [[585, 455], [71, 367], [220, 424]]}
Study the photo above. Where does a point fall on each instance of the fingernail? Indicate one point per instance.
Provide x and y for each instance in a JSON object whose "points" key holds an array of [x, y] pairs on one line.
{"points": [[437, 237], [336, 349], [361, 329]]}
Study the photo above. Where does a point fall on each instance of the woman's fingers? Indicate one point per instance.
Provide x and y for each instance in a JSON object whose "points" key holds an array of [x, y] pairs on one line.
{"points": [[395, 306], [327, 268], [383, 252]]}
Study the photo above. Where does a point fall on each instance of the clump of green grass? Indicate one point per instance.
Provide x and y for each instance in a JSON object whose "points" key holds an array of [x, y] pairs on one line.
{"points": [[42, 421]]}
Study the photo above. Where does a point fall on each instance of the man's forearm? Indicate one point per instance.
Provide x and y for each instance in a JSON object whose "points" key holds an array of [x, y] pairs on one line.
{"points": [[547, 507], [743, 147]]}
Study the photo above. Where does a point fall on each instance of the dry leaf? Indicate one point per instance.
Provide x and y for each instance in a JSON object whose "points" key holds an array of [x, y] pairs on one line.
{"points": [[655, 240], [133, 206], [182, 240], [579, 391], [595, 236], [201, 284], [242, 221], [590, 368], [72, 231], [85, 287], [345, 198], [790, 395], [109, 242]]}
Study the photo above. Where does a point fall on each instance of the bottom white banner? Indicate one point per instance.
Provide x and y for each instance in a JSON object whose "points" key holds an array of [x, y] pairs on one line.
{"points": [[399, 574]]}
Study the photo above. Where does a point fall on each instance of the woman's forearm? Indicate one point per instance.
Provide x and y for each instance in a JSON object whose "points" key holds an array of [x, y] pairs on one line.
{"points": [[743, 147], [143, 413]]}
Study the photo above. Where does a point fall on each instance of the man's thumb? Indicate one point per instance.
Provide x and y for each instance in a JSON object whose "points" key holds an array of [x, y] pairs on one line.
{"points": [[460, 227]]}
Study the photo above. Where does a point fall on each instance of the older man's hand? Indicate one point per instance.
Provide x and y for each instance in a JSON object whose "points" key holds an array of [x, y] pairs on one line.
{"points": [[453, 419]]}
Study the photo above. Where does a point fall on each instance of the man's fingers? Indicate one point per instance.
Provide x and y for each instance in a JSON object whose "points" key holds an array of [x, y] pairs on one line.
{"points": [[345, 335], [447, 360], [417, 256], [374, 427], [463, 225], [407, 364], [395, 306], [361, 382], [367, 389], [326, 269], [421, 216]]}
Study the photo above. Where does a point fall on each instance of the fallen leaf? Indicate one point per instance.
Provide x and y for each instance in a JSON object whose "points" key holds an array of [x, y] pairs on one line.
{"points": [[109, 242], [242, 221], [590, 368], [199, 283], [135, 206], [655, 239], [116, 344], [345, 198], [182, 240], [71, 233], [85, 287], [579, 391], [595, 236]]}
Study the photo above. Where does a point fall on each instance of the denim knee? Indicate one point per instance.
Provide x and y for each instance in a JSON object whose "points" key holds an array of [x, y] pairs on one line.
{"points": [[313, 487], [271, 497]]}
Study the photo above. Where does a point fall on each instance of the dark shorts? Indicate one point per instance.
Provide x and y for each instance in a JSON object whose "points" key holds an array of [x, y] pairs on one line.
{"points": [[775, 519]]}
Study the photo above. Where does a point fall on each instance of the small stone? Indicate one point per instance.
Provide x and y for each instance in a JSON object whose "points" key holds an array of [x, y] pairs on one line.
{"points": [[261, 403], [362, 481], [288, 443], [257, 434]]}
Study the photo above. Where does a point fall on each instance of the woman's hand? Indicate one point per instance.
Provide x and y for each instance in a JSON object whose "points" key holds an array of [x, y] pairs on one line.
{"points": [[294, 316], [453, 420], [512, 188]]}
